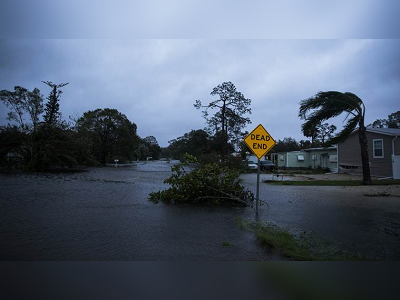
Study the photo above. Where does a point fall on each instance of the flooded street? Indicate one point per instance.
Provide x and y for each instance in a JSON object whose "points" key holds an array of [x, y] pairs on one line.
{"points": [[369, 226], [104, 214]]}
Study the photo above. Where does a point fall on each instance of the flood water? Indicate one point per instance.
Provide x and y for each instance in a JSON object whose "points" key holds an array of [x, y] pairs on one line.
{"points": [[104, 214]]}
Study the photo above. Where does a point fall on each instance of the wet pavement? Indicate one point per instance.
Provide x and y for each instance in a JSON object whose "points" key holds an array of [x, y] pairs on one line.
{"points": [[103, 214]]}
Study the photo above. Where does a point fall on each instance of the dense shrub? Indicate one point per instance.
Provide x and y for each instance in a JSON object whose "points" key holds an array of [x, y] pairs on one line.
{"points": [[211, 184]]}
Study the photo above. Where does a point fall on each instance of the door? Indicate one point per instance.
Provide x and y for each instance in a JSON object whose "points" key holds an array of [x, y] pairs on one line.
{"points": [[324, 161], [396, 167]]}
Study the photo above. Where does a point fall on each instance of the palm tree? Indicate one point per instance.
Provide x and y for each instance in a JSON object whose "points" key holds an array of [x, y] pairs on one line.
{"points": [[326, 105]]}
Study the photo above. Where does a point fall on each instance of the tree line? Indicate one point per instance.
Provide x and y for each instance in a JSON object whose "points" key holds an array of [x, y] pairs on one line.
{"points": [[392, 121], [38, 138], [223, 134], [103, 135]]}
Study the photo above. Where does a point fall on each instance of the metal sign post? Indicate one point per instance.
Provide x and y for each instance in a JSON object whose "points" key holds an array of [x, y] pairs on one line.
{"points": [[260, 142], [258, 186]]}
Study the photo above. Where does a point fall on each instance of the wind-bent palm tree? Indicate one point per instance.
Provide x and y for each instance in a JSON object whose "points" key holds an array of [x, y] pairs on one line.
{"points": [[326, 105]]}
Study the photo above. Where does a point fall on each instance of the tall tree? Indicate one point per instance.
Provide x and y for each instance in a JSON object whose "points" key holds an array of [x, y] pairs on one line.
{"points": [[150, 142], [52, 109], [311, 132], [39, 146], [319, 133], [21, 101], [325, 132], [393, 121], [111, 134], [229, 119], [378, 123], [326, 105], [195, 143]]}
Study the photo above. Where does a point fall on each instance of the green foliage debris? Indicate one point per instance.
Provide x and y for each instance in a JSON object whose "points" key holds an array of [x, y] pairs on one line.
{"points": [[211, 184]]}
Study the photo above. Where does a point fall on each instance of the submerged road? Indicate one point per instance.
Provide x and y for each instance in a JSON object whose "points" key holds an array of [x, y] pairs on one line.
{"points": [[369, 226], [103, 214]]}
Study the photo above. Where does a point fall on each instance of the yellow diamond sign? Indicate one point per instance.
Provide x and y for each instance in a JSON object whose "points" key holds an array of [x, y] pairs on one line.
{"points": [[260, 141]]}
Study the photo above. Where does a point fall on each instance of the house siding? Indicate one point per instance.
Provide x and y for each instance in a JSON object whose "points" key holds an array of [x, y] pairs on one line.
{"points": [[293, 161], [396, 146], [350, 155], [290, 159], [281, 163], [318, 162]]}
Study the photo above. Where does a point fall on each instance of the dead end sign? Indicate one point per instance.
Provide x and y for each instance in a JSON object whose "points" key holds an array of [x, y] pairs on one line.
{"points": [[260, 141]]}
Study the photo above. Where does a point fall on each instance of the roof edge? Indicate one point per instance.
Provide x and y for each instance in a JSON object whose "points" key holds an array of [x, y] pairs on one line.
{"points": [[373, 130]]}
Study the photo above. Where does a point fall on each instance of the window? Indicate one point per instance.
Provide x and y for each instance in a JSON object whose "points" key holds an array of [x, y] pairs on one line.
{"points": [[314, 157], [300, 157], [378, 148], [280, 157], [332, 158]]}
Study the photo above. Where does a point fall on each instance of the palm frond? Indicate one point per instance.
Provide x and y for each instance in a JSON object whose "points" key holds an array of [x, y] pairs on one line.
{"points": [[331, 101], [326, 105], [348, 128]]}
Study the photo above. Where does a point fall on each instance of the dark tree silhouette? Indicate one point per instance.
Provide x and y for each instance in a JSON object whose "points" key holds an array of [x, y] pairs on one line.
{"points": [[286, 145], [393, 121], [111, 133], [325, 132], [22, 101], [327, 105], [311, 132], [154, 150], [229, 119], [52, 109]]}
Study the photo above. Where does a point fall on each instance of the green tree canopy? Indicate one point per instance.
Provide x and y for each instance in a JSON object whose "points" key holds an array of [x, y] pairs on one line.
{"points": [[111, 134], [195, 143], [149, 148]]}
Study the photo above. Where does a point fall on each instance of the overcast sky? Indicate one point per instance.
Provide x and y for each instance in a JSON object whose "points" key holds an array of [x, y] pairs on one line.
{"points": [[200, 18], [156, 82]]}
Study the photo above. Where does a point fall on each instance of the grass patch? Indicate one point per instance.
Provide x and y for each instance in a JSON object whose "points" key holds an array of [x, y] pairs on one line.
{"points": [[304, 247], [331, 182]]}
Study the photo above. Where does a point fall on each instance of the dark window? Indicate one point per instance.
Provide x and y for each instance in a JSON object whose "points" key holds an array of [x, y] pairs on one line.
{"points": [[378, 148]]}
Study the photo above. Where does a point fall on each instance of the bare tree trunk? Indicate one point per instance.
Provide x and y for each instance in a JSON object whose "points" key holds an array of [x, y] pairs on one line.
{"points": [[362, 133]]}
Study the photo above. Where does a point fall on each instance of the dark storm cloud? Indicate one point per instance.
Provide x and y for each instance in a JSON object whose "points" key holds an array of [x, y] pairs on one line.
{"points": [[155, 82]]}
